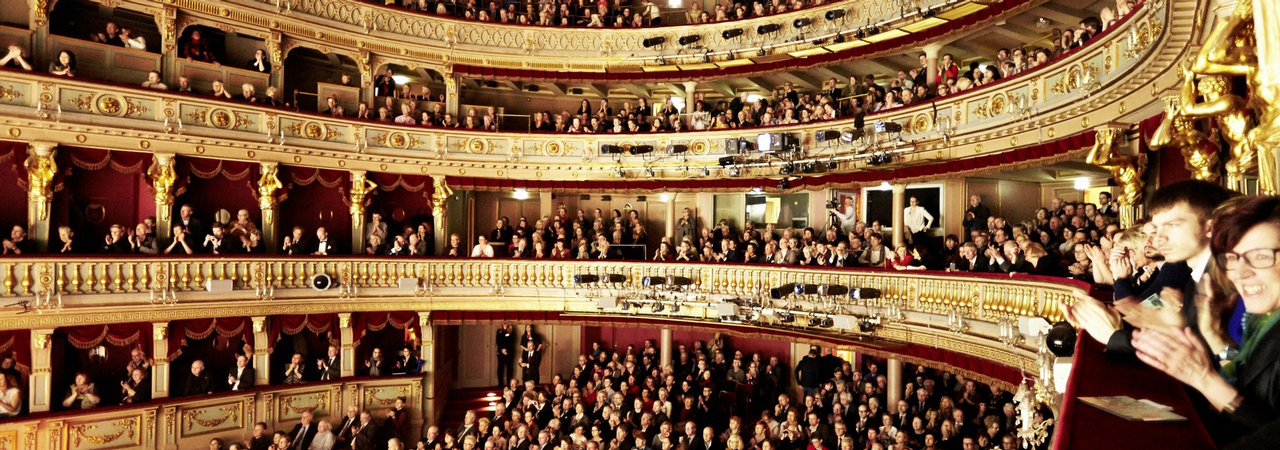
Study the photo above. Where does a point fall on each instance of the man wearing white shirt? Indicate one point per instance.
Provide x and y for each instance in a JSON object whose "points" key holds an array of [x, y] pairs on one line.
{"points": [[323, 246], [917, 221], [846, 214], [241, 377], [482, 248]]}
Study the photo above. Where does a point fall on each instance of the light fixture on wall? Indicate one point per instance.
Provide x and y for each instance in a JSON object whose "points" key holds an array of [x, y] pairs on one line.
{"points": [[521, 194], [1082, 184]]}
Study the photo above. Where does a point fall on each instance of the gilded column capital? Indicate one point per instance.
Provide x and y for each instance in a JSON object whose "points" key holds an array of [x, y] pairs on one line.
{"points": [[259, 324], [159, 331], [40, 339]]}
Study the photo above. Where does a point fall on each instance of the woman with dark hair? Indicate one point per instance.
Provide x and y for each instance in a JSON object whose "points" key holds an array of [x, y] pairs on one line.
{"points": [[1246, 388], [65, 65]]}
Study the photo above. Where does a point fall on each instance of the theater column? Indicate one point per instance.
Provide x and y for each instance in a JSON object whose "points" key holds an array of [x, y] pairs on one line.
{"points": [[670, 227], [439, 198], [690, 96], [899, 203], [427, 352], [361, 186], [452, 95], [275, 55], [347, 348], [163, 175], [931, 57], [39, 20], [160, 370], [261, 352], [894, 373], [41, 167], [665, 345], [39, 387], [268, 185], [167, 23]]}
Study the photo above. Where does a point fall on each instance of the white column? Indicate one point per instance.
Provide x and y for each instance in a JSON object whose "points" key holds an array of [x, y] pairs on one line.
{"points": [[690, 96], [261, 352], [160, 367], [894, 373], [39, 389], [347, 348], [899, 203], [664, 347], [428, 354]]}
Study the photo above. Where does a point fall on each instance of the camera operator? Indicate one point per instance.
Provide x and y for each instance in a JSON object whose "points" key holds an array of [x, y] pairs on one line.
{"points": [[844, 213]]}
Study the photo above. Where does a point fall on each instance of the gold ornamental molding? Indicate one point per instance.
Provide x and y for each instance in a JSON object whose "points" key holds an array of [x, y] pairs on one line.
{"points": [[979, 122]]}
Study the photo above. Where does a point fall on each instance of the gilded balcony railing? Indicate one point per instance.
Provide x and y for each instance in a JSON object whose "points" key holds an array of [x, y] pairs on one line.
{"points": [[1093, 86], [192, 422]]}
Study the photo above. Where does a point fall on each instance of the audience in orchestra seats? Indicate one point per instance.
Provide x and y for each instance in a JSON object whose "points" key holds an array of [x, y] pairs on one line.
{"points": [[324, 438], [198, 50], [304, 432], [15, 59], [82, 394], [347, 427], [153, 81]]}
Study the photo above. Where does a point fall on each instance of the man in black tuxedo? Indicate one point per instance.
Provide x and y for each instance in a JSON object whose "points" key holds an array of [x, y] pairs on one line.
{"points": [[347, 427], [296, 244], [365, 434], [506, 349], [970, 260], [242, 376], [197, 383], [842, 258], [529, 362], [469, 426], [1010, 260], [330, 366], [323, 246], [261, 439], [708, 441], [303, 433], [217, 242]]}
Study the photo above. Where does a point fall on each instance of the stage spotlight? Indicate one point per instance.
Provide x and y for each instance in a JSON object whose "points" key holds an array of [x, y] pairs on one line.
{"points": [[859, 34], [864, 293], [653, 281], [785, 317], [768, 28], [733, 33], [676, 149], [641, 149], [610, 149], [584, 279], [826, 322], [927, 13], [680, 281], [831, 165], [690, 39], [735, 171], [724, 162], [787, 169], [654, 41], [888, 127], [813, 321], [806, 289], [675, 308], [808, 167], [802, 22], [832, 290], [615, 278], [761, 52], [828, 135], [782, 291], [875, 29], [851, 135], [835, 14]]}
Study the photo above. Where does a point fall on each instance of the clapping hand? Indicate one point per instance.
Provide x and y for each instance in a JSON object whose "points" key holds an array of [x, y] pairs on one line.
{"points": [[14, 51]]}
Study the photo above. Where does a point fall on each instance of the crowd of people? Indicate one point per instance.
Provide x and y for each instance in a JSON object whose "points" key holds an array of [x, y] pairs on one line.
{"points": [[785, 105], [599, 14]]}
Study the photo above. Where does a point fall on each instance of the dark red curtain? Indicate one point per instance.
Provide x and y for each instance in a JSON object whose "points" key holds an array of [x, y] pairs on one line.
{"points": [[296, 323], [117, 334], [402, 200], [100, 188], [210, 185], [314, 198], [229, 328], [376, 321]]}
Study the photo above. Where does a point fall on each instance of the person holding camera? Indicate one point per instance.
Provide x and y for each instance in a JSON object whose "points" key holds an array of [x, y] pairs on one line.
{"points": [[844, 211]]}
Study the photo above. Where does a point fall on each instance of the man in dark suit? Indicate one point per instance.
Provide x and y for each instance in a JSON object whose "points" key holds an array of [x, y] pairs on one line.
{"points": [[1010, 260], [347, 427], [975, 218], [216, 242], [197, 383], [323, 246], [469, 426], [417, 246], [261, 439], [189, 222], [296, 244], [505, 341], [116, 241], [708, 441], [330, 366], [529, 362], [242, 376], [842, 258], [365, 434], [970, 260], [303, 432]]}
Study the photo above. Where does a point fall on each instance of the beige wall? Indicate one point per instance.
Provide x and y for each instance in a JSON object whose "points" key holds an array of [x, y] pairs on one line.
{"points": [[478, 364]]}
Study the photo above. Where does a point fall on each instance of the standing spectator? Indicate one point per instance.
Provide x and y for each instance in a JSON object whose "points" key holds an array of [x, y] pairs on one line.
{"points": [[506, 345], [975, 218], [385, 85], [330, 367], [198, 50], [241, 376], [917, 221]]}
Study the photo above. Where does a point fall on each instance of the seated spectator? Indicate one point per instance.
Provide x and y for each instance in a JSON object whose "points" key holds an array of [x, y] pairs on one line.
{"points": [[399, 246], [17, 243], [217, 242], [116, 242], [247, 93], [197, 383], [405, 363], [259, 63], [253, 245], [482, 248], [324, 438], [140, 241], [197, 50], [112, 36], [323, 246], [406, 114], [179, 243], [65, 66], [82, 394], [14, 59], [374, 246], [153, 81], [269, 97], [331, 104], [219, 90], [137, 389], [261, 439], [184, 85], [10, 396], [295, 243]]}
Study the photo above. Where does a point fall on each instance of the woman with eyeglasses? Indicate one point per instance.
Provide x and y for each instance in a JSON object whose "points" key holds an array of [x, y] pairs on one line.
{"points": [[1245, 386]]}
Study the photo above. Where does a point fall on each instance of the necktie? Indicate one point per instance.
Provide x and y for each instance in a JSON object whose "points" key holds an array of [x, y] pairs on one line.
{"points": [[297, 441]]}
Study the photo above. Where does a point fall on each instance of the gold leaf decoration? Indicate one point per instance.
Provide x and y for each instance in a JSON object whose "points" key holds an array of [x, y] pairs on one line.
{"points": [[125, 427]]}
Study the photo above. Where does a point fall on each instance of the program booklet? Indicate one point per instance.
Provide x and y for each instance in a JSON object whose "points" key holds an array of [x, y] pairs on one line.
{"points": [[1133, 409]]}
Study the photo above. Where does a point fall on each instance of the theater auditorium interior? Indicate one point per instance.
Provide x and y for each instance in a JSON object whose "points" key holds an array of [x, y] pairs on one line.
{"points": [[639, 224]]}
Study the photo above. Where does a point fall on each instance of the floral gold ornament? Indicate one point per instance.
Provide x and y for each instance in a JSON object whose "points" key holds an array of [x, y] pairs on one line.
{"points": [[126, 428], [358, 198], [9, 93], [191, 418], [1126, 170]]}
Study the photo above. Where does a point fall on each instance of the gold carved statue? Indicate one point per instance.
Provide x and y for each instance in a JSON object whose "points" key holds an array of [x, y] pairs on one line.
{"points": [[1126, 170], [1178, 131], [439, 195], [162, 179], [40, 172], [1230, 51], [360, 189], [268, 184]]}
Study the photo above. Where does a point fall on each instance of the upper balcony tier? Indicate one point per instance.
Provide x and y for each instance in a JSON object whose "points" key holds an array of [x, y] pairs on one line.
{"points": [[1111, 80]]}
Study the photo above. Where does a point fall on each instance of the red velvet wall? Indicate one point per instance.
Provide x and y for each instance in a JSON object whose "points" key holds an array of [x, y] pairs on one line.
{"points": [[313, 206], [1173, 167], [219, 192], [619, 338], [13, 197], [92, 200], [399, 208]]}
